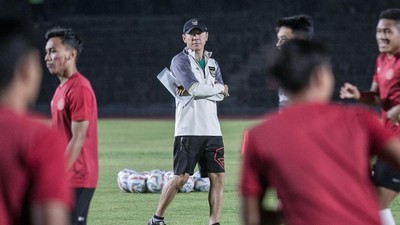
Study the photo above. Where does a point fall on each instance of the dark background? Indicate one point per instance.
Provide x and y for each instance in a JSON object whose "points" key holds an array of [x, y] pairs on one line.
{"points": [[128, 42]]}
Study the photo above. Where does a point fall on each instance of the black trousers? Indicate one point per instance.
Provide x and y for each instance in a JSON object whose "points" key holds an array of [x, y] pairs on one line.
{"points": [[79, 213]]}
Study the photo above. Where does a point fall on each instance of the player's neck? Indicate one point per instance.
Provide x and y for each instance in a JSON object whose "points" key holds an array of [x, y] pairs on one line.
{"points": [[308, 96], [392, 54], [199, 55], [14, 100], [67, 74]]}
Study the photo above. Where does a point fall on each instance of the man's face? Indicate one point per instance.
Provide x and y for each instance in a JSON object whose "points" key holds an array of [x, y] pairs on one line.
{"points": [[284, 34], [58, 56], [388, 36], [195, 39]]}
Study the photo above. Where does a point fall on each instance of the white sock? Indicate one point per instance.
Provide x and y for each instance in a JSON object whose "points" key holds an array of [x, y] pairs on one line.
{"points": [[387, 217]]}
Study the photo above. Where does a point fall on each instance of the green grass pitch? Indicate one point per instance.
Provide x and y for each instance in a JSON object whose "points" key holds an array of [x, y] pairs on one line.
{"points": [[145, 145]]}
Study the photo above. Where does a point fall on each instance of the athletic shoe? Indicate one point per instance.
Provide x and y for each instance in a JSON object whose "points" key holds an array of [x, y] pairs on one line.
{"points": [[155, 223]]}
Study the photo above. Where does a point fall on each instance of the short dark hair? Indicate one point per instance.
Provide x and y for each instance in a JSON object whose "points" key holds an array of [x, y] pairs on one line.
{"points": [[16, 42], [300, 24], [292, 66], [391, 14], [68, 37]]}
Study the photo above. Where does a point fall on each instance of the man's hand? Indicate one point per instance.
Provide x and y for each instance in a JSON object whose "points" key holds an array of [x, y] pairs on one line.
{"points": [[393, 114], [180, 91], [349, 91], [226, 90]]}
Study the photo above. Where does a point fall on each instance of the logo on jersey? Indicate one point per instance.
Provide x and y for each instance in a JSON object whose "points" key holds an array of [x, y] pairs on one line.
{"points": [[389, 74], [212, 70], [60, 104]]}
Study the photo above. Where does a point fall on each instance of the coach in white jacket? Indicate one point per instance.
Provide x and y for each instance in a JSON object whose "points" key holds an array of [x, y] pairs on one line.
{"points": [[198, 137]]}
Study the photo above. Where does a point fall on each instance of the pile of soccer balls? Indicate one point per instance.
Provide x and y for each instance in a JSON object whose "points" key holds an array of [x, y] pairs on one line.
{"points": [[138, 182]]}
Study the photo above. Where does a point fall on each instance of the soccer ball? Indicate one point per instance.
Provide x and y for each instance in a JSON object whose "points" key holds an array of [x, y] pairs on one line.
{"points": [[196, 175], [157, 171], [155, 182], [122, 179], [202, 184], [168, 176], [188, 186], [145, 173], [137, 183]]}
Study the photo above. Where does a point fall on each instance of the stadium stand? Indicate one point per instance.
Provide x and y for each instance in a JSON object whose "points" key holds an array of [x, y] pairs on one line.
{"points": [[128, 43]]}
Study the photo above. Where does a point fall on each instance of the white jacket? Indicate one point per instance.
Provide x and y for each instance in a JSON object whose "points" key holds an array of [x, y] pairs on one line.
{"points": [[198, 117]]}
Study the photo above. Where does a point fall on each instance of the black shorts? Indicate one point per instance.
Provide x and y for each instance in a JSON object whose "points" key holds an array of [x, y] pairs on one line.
{"points": [[79, 214], [207, 151], [385, 176]]}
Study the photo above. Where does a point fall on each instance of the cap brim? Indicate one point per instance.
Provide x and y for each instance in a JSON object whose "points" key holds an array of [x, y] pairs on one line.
{"points": [[204, 29]]}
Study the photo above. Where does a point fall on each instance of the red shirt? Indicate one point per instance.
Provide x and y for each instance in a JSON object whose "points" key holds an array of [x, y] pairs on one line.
{"points": [[32, 167], [317, 158], [387, 76], [75, 101]]}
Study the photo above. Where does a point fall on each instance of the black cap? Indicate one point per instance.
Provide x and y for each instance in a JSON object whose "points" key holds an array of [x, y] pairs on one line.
{"points": [[194, 23]]}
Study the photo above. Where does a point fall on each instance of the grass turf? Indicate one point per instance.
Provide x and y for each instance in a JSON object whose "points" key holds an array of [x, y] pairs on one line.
{"points": [[145, 145]]}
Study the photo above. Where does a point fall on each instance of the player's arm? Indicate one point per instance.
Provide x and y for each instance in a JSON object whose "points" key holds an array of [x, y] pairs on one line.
{"points": [[253, 188], [207, 90], [393, 114], [391, 152], [181, 68], [254, 214], [221, 96], [181, 91], [218, 79], [50, 213], [79, 130], [384, 142], [371, 97], [349, 91]]}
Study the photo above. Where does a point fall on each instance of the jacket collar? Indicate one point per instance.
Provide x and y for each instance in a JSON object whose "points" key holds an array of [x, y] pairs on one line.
{"points": [[190, 52]]}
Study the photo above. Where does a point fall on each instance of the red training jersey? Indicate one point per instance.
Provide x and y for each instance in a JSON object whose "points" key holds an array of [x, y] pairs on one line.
{"points": [[317, 158], [32, 167], [75, 101], [387, 76]]}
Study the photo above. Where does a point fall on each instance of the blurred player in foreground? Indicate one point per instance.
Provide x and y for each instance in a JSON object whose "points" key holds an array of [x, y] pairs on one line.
{"points": [[198, 137], [385, 92], [287, 28], [74, 114], [33, 183], [314, 153]]}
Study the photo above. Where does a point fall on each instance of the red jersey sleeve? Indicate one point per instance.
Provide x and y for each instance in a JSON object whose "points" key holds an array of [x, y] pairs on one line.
{"points": [[46, 161], [81, 103], [252, 183]]}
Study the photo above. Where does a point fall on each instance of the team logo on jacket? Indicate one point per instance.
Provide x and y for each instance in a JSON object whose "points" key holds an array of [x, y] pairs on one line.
{"points": [[389, 74], [60, 104], [212, 70]]}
